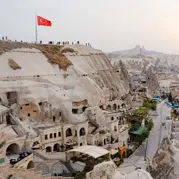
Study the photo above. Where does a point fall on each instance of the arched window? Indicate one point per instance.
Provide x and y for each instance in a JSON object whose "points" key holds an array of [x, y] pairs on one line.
{"points": [[68, 132], [82, 131], [114, 106], [46, 137], [49, 149], [56, 148], [108, 108], [104, 141], [51, 136], [112, 118], [75, 133], [59, 134], [123, 105]]}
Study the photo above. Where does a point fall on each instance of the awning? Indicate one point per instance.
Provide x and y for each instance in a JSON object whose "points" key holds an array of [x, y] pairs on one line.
{"points": [[93, 151], [139, 131]]}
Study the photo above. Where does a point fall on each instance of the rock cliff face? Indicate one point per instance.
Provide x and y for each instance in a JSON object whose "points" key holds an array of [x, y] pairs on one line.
{"points": [[151, 80], [55, 80], [165, 162], [122, 69]]}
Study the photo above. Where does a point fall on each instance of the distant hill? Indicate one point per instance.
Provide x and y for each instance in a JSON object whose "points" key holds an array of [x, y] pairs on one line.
{"points": [[137, 50]]}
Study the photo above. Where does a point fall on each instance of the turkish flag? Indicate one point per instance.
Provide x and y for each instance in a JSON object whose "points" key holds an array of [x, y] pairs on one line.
{"points": [[43, 22]]}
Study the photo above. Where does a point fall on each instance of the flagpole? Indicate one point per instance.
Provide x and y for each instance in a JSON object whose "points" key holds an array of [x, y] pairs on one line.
{"points": [[36, 28]]}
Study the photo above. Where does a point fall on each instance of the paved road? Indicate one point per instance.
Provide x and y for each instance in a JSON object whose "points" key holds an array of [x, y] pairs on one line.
{"points": [[158, 132], [149, 148]]}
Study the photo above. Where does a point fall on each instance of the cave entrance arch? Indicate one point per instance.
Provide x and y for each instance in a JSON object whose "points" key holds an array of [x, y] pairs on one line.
{"points": [[56, 148], [48, 149], [30, 165], [36, 145], [13, 149]]}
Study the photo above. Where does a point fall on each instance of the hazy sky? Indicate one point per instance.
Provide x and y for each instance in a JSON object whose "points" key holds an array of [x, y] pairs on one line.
{"points": [[107, 24]]}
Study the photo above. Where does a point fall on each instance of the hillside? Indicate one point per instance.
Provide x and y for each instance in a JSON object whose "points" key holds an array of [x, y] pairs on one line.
{"points": [[60, 76], [138, 57]]}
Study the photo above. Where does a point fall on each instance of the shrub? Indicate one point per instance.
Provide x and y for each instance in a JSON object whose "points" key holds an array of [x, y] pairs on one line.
{"points": [[149, 104], [52, 52], [117, 163], [150, 125]]}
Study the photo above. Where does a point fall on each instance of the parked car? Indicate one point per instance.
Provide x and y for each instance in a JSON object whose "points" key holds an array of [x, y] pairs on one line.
{"points": [[13, 161]]}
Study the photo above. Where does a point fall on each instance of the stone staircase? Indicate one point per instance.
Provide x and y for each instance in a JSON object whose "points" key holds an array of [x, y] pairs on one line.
{"points": [[66, 164], [18, 130], [36, 153], [70, 169], [19, 127]]}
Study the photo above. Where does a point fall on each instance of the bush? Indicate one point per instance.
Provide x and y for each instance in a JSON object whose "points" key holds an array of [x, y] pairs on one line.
{"points": [[150, 125], [138, 115], [149, 104], [117, 163]]}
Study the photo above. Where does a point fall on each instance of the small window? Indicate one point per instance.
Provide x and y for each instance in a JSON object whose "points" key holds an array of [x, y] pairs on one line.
{"points": [[55, 135], [60, 113], [34, 111], [46, 137], [59, 134], [40, 104], [21, 108], [27, 104], [74, 111], [28, 114], [51, 136], [53, 118], [81, 144]]}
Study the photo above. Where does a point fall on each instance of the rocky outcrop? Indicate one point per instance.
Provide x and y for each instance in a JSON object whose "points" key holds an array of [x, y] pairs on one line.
{"points": [[103, 170], [121, 68], [91, 78], [165, 162], [108, 170], [151, 80]]}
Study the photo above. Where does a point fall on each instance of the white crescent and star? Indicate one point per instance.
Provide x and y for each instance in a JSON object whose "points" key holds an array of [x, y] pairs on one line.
{"points": [[42, 20]]}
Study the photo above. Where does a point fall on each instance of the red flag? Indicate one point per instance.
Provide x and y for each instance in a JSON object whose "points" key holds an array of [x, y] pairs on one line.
{"points": [[43, 22]]}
